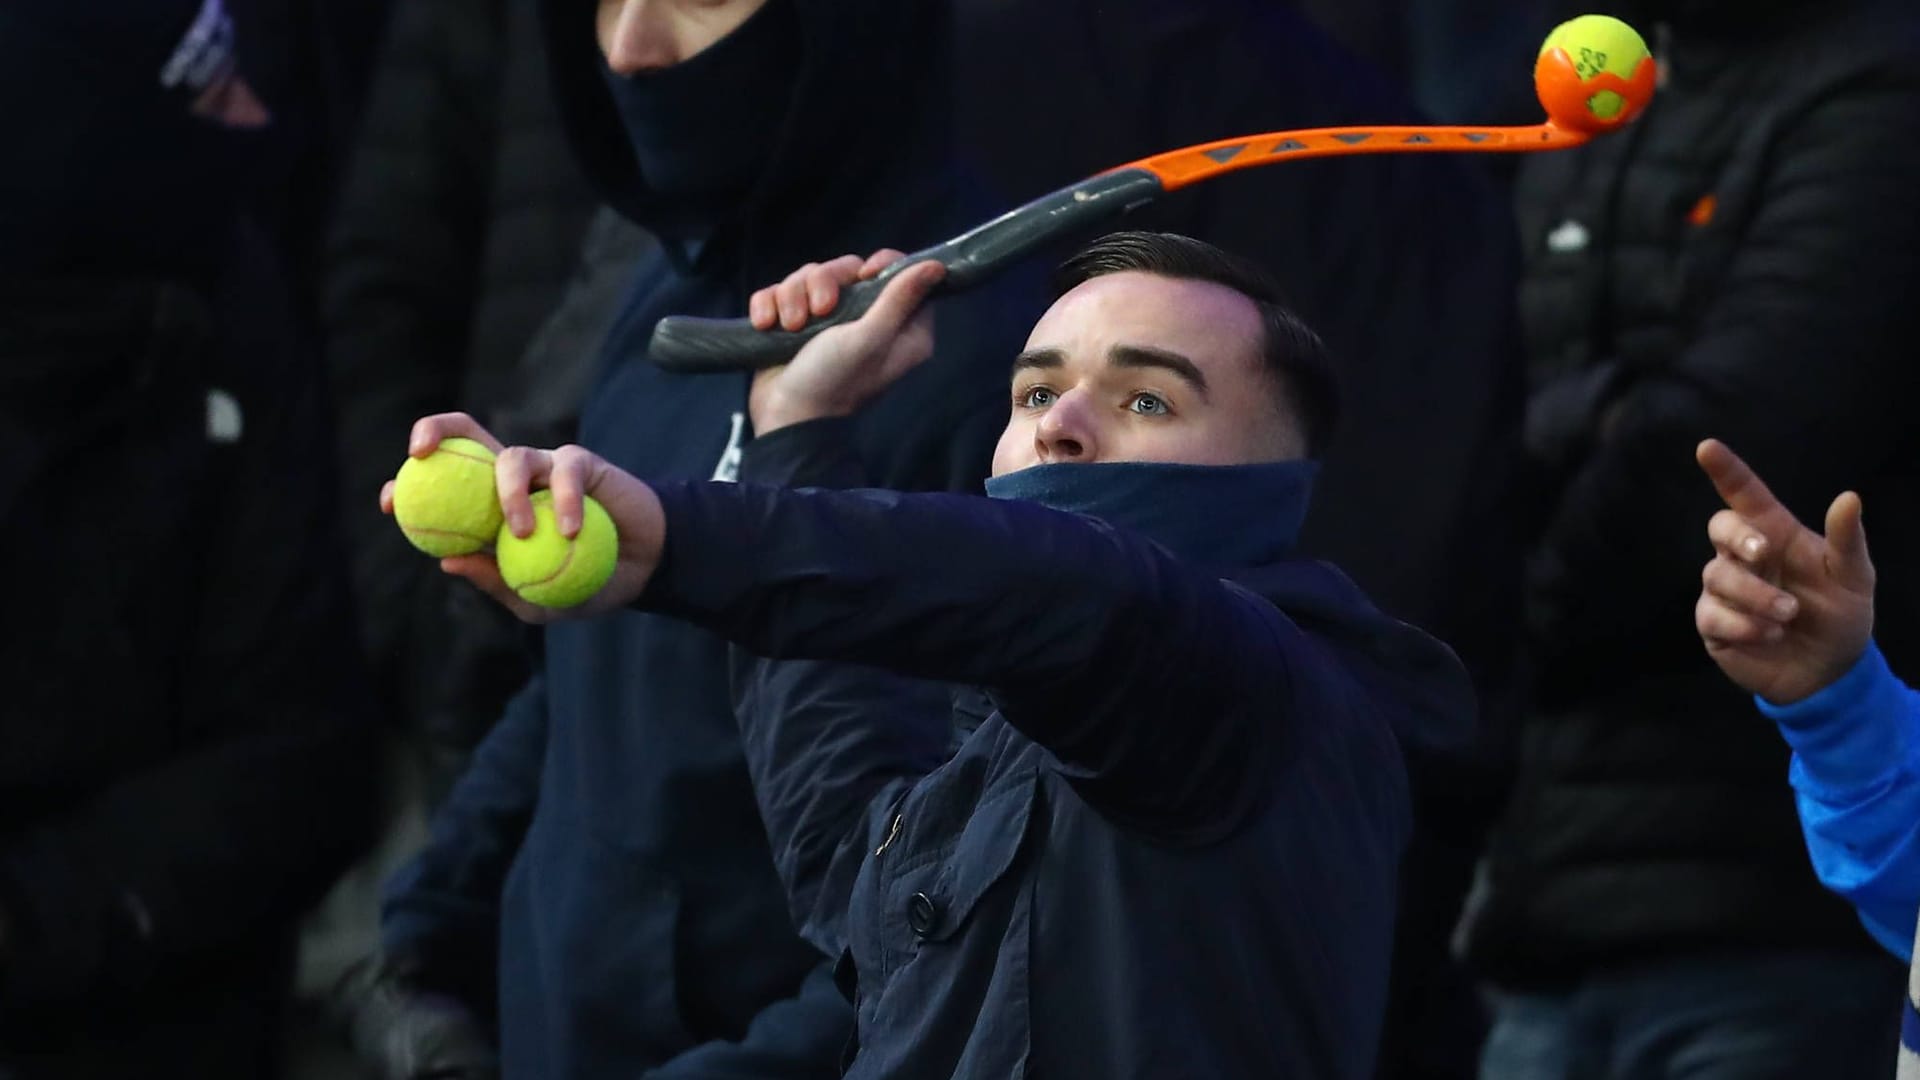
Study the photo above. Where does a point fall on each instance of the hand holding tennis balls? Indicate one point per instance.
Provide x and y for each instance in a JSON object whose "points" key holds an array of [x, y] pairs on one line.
{"points": [[584, 545]]}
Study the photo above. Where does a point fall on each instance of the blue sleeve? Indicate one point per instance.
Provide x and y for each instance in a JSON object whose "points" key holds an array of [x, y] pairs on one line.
{"points": [[443, 908], [1152, 683], [1858, 786]]}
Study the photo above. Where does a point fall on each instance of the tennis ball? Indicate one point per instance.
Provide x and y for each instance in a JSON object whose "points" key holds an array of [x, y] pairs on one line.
{"points": [[550, 570], [1594, 73], [445, 502]]}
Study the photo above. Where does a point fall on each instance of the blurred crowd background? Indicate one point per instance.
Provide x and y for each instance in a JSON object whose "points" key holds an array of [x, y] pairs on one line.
{"points": [[276, 796]]}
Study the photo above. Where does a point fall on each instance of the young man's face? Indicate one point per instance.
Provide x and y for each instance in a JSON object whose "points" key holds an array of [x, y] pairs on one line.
{"points": [[638, 36], [1136, 367]]}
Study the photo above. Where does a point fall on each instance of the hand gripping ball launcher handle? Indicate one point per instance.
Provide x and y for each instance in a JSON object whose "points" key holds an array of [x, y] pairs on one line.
{"points": [[1570, 79]]}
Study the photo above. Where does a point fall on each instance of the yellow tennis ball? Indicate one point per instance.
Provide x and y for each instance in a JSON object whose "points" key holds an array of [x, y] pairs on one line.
{"points": [[446, 502], [550, 570], [1596, 44]]}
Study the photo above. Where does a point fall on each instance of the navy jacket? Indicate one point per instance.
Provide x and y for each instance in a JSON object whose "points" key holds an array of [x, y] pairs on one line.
{"points": [[606, 833], [1163, 841]]}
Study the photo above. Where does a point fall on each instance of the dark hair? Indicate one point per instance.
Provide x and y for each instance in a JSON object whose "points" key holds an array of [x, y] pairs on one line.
{"points": [[1295, 356]]}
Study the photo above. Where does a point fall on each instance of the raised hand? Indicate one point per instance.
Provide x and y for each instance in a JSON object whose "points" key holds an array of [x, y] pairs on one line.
{"points": [[1783, 610], [846, 366]]}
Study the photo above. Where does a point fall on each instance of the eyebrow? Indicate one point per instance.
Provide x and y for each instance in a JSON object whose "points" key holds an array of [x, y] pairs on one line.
{"points": [[1122, 356], [1042, 359], [1142, 356]]}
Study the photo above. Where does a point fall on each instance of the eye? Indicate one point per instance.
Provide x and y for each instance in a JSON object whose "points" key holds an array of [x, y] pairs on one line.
{"points": [[1036, 397], [1148, 405]]}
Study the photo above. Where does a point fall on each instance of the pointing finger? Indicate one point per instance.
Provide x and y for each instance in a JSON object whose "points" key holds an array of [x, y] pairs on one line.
{"points": [[1745, 493]]}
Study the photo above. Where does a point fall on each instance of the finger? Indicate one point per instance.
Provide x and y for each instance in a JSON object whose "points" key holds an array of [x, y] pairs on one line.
{"points": [[1739, 588], [430, 431], [517, 472], [1847, 558], [762, 310], [823, 285], [1722, 626], [1744, 492], [879, 261], [485, 575], [901, 299], [386, 497], [791, 297], [571, 475], [1734, 536]]}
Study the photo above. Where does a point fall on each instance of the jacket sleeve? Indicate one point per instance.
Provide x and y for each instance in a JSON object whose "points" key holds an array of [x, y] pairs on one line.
{"points": [[399, 282], [1802, 361], [235, 838], [443, 908], [1092, 640], [1856, 772]]}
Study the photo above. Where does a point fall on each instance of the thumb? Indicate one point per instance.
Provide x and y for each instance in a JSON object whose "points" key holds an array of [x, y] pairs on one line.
{"points": [[902, 297], [1847, 559]]}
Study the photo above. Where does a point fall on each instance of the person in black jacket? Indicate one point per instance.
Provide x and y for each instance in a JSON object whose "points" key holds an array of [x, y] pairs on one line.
{"points": [[184, 747], [1740, 264], [1164, 837]]}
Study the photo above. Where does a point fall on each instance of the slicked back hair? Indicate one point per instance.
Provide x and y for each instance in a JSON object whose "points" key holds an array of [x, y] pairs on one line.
{"points": [[1295, 357]]}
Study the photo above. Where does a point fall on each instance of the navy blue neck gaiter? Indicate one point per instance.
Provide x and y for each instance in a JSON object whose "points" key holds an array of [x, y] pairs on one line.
{"points": [[1224, 516]]}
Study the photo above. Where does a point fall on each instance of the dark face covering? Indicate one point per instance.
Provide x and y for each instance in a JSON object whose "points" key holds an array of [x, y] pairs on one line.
{"points": [[703, 130], [1227, 516]]}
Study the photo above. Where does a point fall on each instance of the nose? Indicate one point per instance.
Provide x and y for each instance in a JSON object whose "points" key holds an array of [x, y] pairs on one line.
{"points": [[1066, 432], [636, 38]]}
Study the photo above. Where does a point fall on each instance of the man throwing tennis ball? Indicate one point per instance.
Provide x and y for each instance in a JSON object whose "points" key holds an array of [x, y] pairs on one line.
{"points": [[1160, 838]]}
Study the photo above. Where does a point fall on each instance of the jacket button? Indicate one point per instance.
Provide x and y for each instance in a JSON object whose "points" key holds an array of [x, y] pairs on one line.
{"points": [[922, 914]]}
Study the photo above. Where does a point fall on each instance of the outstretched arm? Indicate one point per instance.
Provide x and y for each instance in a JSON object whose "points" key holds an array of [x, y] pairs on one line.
{"points": [[1150, 681]]}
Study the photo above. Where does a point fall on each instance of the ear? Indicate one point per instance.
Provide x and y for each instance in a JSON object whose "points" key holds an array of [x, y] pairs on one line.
{"points": [[1287, 437]]}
